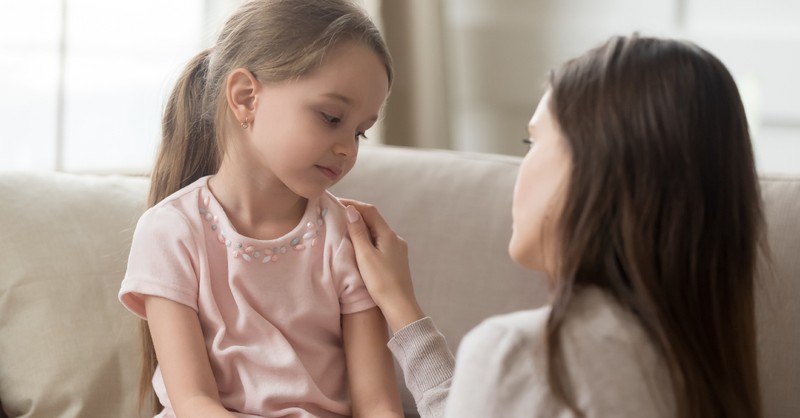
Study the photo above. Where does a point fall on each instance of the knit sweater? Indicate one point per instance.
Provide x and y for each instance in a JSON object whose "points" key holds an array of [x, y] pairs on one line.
{"points": [[501, 371]]}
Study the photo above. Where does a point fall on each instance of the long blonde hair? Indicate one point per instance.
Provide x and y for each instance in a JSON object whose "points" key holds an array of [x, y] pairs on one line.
{"points": [[276, 40]]}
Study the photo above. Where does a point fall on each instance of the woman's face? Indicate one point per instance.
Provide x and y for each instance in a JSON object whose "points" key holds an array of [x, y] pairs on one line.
{"points": [[539, 192]]}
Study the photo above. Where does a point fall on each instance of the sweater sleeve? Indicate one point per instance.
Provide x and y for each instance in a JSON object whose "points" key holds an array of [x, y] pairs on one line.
{"points": [[427, 365]]}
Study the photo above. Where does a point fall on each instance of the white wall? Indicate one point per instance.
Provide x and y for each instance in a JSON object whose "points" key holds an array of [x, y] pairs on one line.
{"points": [[501, 50]]}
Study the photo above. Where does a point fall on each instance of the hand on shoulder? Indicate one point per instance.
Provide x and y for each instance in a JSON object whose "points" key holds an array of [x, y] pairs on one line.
{"points": [[382, 258]]}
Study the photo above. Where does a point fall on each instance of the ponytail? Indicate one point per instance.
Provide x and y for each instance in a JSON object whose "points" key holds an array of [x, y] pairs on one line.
{"points": [[188, 151], [189, 148]]}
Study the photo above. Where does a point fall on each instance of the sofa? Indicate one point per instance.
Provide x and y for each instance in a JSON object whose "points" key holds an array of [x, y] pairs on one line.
{"points": [[69, 349]]}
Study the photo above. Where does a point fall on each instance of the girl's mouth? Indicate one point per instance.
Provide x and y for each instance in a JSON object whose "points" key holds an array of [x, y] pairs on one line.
{"points": [[331, 173]]}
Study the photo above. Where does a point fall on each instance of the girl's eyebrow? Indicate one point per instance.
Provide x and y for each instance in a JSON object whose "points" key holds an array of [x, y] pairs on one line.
{"points": [[340, 97], [346, 100]]}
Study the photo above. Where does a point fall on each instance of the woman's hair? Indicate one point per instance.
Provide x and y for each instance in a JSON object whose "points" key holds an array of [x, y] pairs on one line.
{"points": [[663, 212], [276, 40]]}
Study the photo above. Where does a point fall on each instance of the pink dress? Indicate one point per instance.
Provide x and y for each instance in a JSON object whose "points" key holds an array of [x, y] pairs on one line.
{"points": [[270, 310]]}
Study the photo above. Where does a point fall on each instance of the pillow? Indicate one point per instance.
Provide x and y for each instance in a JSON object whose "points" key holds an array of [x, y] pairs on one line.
{"points": [[68, 348]]}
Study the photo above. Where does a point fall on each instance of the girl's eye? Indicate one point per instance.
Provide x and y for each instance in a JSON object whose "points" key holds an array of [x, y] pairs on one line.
{"points": [[527, 141], [361, 135], [333, 120]]}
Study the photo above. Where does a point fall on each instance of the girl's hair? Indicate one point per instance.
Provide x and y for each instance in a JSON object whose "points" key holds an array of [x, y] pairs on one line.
{"points": [[276, 40], [663, 212]]}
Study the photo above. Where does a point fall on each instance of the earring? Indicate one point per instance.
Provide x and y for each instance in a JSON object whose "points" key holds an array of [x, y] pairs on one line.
{"points": [[244, 124]]}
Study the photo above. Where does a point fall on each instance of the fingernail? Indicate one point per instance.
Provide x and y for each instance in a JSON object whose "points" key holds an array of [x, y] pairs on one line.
{"points": [[352, 214]]}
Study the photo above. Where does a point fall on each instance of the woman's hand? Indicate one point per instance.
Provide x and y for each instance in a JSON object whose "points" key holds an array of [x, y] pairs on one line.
{"points": [[382, 258]]}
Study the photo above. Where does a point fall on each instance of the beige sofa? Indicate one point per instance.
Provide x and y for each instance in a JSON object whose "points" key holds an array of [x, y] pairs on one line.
{"points": [[68, 349]]}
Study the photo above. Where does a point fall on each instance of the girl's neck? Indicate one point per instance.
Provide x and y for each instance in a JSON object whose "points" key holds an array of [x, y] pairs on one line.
{"points": [[259, 207]]}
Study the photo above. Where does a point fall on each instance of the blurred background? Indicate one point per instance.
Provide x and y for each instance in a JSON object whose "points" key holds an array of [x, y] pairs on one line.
{"points": [[84, 81]]}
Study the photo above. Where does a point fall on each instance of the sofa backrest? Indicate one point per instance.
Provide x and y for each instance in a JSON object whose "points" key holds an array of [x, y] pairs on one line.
{"points": [[68, 348], [454, 210]]}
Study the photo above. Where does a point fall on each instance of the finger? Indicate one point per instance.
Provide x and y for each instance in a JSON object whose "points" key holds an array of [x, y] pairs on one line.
{"points": [[359, 233], [373, 219]]}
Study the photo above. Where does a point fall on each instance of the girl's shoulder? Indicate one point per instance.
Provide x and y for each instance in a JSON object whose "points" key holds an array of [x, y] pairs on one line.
{"points": [[333, 214], [196, 192], [179, 211]]}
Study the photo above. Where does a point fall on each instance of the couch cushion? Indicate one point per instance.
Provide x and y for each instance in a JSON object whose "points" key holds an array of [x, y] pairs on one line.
{"points": [[68, 348]]}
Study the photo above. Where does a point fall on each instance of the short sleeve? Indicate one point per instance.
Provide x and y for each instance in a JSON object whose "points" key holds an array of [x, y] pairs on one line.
{"points": [[161, 262], [353, 295]]}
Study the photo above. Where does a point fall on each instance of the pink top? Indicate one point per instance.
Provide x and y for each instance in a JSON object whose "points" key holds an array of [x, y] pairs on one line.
{"points": [[270, 310]]}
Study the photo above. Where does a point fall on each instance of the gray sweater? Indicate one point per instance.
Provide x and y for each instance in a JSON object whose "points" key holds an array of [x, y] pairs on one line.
{"points": [[502, 367]]}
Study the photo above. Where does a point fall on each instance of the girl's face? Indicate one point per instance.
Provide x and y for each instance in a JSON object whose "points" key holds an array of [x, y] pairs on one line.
{"points": [[305, 132], [539, 192]]}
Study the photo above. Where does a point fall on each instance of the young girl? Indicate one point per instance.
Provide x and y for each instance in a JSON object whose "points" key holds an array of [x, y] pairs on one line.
{"points": [[242, 267], [639, 199]]}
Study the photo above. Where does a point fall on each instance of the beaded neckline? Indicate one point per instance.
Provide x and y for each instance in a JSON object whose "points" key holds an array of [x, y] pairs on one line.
{"points": [[260, 252]]}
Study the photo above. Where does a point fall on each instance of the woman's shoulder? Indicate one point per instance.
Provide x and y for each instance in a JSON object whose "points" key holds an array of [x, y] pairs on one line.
{"points": [[614, 366], [501, 370], [523, 326], [594, 319], [597, 320], [513, 338], [614, 369]]}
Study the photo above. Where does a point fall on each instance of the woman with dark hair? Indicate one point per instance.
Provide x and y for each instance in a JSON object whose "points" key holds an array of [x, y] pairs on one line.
{"points": [[639, 199]]}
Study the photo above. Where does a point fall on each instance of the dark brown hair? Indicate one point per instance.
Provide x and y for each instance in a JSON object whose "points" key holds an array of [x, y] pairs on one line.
{"points": [[276, 40], [663, 212]]}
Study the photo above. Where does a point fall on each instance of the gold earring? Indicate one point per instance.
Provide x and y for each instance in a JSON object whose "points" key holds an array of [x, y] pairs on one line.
{"points": [[244, 124]]}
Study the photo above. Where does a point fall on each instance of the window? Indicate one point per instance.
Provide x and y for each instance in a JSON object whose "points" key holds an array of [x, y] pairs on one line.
{"points": [[84, 81]]}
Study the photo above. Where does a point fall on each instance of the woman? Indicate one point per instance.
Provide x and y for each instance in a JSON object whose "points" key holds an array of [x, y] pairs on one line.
{"points": [[639, 199]]}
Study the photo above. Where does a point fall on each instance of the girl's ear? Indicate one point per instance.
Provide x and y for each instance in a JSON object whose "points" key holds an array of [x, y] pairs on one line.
{"points": [[241, 90]]}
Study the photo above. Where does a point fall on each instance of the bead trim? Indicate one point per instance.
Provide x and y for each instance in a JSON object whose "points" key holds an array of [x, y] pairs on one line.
{"points": [[250, 253]]}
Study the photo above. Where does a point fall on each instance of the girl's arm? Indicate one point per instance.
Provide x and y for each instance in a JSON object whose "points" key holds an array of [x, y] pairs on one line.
{"points": [[182, 356], [369, 366], [420, 349]]}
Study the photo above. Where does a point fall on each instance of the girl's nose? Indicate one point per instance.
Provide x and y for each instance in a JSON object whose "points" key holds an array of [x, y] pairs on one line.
{"points": [[346, 146]]}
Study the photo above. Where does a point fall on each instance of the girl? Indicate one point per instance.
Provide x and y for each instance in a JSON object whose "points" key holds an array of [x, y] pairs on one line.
{"points": [[639, 199], [242, 267]]}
